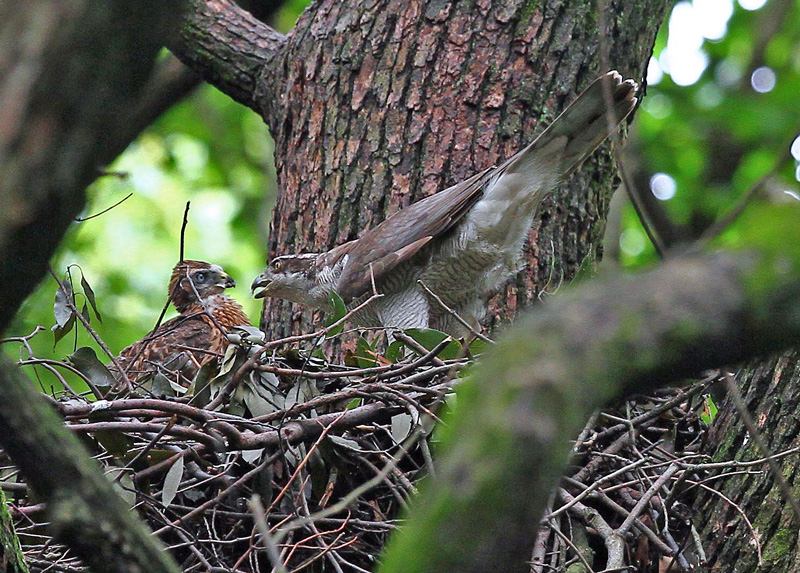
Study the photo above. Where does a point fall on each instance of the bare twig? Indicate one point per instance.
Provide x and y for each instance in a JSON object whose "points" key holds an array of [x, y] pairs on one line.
{"points": [[183, 232], [775, 470], [454, 314], [107, 209]]}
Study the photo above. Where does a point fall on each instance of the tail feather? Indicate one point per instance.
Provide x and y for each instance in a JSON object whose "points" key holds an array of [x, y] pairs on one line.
{"points": [[579, 130]]}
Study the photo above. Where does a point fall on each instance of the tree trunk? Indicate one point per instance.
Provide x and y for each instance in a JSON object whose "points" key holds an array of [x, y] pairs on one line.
{"points": [[375, 105], [771, 392]]}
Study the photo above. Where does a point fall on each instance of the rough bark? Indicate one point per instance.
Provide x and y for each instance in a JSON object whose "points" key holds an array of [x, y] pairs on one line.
{"points": [[771, 392], [535, 390], [376, 104]]}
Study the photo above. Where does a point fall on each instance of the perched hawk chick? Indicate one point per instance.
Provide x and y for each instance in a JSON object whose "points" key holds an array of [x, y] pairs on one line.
{"points": [[180, 346], [463, 242]]}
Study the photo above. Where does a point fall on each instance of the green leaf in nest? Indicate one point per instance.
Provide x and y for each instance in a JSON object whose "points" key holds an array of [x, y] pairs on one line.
{"points": [[61, 308], [365, 354], [429, 338], [86, 361], [61, 331], [339, 310], [89, 293], [172, 482]]}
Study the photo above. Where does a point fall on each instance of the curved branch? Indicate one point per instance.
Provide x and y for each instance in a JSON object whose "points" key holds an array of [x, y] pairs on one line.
{"points": [[227, 46], [535, 390], [170, 82]]}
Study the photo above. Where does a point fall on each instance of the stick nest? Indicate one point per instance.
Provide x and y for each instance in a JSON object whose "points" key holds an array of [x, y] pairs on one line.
{"points": [[275, 457]]}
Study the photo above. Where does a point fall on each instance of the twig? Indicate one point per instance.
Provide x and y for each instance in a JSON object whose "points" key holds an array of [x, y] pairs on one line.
{"points": [[572, 546], [775, 470], [454, 314], [52, 365], [228, 389], [107, 209], [595, 485], [613, 542], [303, 462], [148, 447], [645, 499], [345, 502], [658, 410], [634, 194], [219, 497], [753, 533], [183, 231], [735, 212], [260, 519]]}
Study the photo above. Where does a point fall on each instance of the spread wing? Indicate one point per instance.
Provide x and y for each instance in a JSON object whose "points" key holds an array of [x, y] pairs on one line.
{"points": [[177, 349], [573, 135], [402, 235]]}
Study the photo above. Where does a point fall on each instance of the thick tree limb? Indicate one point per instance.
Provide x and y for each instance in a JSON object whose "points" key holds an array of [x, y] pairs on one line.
{"points": [[73, 76], [508, 440], [70, 74], [227, 46]]}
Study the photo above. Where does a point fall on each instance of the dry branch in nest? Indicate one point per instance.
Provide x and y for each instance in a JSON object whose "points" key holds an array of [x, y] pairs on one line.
{"points": [[275, 459]]}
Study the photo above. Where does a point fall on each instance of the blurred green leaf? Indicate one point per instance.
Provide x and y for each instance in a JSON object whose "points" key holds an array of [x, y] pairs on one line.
{"points": [[717, 137], [763, 225]]}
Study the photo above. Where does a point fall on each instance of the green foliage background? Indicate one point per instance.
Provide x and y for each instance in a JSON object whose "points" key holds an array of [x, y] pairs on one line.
{"points": [[207, 149], [718, 137], [715, 138]]}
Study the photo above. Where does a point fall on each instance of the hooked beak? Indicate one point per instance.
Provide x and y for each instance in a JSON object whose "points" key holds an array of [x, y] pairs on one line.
{"points": [[260, 286], [226, 281]]}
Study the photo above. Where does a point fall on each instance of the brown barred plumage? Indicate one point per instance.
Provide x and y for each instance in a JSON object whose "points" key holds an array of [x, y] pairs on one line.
{"points": [[180, 346]]}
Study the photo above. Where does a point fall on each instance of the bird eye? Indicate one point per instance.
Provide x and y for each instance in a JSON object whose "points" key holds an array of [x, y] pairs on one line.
{"points": [[277, 265], [200, 277]]}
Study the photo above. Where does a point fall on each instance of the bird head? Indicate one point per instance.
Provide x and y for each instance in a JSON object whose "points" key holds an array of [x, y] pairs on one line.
{"points": [[190, 277], [292, 278]]}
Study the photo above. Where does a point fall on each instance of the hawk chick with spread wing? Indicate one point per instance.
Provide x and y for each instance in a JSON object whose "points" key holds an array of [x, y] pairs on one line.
{"points": [[461, 243], [180, 346]]}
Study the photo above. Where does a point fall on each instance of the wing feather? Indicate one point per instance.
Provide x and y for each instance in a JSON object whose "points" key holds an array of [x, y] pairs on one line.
{"points": [[573, 135], [403, 235], [182, 344]]}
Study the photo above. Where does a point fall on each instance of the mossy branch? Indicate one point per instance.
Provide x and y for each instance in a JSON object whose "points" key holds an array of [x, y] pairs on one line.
{"points": [[508, 441]]}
